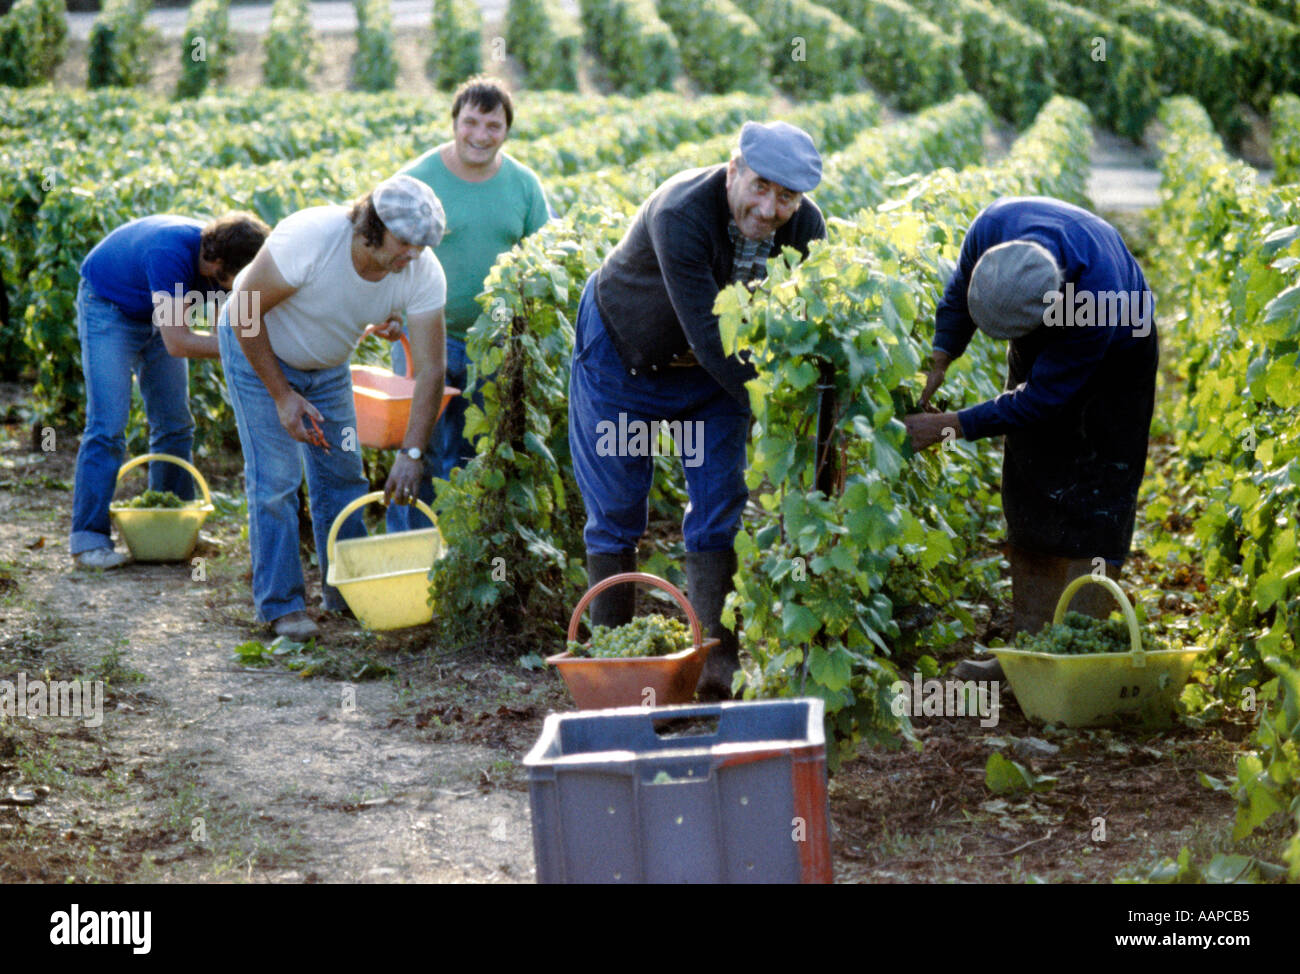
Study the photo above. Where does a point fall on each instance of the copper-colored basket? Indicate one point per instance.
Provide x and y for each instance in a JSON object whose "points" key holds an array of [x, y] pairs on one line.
{"points": [[641, 681]]}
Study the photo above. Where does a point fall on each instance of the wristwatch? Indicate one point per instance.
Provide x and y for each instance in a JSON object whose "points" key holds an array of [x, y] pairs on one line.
{"points": [[415, 453]]}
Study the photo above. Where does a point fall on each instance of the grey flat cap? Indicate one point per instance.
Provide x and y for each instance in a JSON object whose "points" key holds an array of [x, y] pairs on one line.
{"points": [[410, 210], [781, 153], [1007, 288]]}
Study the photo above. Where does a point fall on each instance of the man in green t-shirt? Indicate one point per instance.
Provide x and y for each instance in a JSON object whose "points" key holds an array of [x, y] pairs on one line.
{"points": [[492, 202]]}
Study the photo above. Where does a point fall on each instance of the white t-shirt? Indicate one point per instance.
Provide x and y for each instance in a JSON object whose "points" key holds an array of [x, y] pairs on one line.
{"points": [[320, 324]]}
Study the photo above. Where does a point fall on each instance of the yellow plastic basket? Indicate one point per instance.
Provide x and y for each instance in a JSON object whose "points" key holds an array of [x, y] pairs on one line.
{"points": [[384, 578], [165, 533], [1098, 689]]}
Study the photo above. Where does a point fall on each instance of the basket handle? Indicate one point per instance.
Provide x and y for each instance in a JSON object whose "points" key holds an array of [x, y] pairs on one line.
{"points": [[150, 457], [1125, 606], [696, 632], [406, 348], [362, 501]]}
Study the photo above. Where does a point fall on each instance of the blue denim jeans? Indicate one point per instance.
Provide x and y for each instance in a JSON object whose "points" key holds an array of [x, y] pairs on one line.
{"points": [[447, 448], [273, 470], [113, 347], [605, 400]]}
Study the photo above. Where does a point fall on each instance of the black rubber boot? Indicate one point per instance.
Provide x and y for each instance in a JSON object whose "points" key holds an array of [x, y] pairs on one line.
{"points": [[708, 580], [979, 670], [615, 606]]}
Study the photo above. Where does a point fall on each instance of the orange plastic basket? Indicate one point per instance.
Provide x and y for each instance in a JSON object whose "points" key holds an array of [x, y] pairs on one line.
{"points": [[383, 402], [636, 681]]}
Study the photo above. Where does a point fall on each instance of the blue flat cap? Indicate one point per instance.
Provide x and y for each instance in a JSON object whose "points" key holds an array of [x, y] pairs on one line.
{"points": [[781, 153]]}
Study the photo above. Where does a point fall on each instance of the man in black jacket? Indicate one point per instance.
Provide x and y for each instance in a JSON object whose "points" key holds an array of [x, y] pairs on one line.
{"points": [[647, 350]]}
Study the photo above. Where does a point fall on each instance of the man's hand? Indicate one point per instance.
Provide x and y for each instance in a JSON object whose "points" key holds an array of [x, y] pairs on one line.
{"points": [[403, 484], [939, 362], [295, 414], [391, 329], [927, 429]]}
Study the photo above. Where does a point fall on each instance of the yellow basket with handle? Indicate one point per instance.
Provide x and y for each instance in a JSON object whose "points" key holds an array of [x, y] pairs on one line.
{"points": [[1097, 689], [384, 578], [161, 533]]}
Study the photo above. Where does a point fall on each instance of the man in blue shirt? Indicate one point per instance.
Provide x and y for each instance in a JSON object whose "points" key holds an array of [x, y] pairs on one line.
{"points": [[140, 289], [1061, 286]]}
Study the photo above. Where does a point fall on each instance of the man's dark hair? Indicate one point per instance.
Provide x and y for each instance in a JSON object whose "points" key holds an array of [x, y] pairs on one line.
{"points": [[233, 240], [485, 94], [366, 222]]}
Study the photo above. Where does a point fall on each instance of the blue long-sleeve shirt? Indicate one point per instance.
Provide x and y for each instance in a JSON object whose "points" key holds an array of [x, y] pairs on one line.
{"points": [[1112, 308]]}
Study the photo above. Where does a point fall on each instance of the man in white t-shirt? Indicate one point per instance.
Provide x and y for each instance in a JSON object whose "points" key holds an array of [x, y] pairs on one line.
{"points": [[297, 313]]}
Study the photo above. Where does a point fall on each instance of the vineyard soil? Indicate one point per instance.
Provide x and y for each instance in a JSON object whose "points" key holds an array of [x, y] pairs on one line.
{"points": [[207, 770]]}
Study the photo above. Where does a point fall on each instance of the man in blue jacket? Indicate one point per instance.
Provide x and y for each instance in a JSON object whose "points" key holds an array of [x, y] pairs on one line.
{"points": [[1061, 286], [647, 349]]}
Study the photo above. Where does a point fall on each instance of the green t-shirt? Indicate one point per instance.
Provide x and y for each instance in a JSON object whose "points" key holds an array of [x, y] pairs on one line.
{"points": [[483, 220]]}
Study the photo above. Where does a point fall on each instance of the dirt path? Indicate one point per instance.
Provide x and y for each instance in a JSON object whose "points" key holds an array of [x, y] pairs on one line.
{"points": [[204, 769], [1124, 178]]}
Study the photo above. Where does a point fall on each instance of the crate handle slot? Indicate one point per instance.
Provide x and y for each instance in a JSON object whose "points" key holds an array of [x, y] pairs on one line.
{"points": [[1126, 607], [663, 725], [696, 632], [150, 457], [362, 501]]}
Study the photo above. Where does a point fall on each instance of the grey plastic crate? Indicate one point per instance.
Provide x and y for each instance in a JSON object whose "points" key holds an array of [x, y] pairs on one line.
{"points": [[622, 796]]}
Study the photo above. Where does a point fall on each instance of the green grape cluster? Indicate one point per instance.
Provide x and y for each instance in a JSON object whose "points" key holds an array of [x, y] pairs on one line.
{"points": [[1080, 635], [154, 499], [653, 635]]}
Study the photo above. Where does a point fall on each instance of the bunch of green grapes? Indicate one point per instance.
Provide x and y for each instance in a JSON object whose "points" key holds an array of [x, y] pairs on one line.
{"points": [[652, 635], [156, 498], [1079, 635]]}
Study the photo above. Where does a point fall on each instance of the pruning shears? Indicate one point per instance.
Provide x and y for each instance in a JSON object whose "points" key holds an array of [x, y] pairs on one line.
{"points": [[316, 436]]}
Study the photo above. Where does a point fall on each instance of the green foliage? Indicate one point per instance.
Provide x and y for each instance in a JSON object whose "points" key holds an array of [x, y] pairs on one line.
{"points": [[637, 49], [652, 635], [374, 65], [33, 41], [950, 134], [1105, 65], [512, 518], [205, 54], [1001, 58], [813, 51], [831, 124], [1191, 57], [1003, 776], [291, 48], [1270, 55], [121, 45], [1235, 249], [1222, 869], [660, 123], [1285, 113], [545, 41], [722, 49], [906, 55], [457, 50]]}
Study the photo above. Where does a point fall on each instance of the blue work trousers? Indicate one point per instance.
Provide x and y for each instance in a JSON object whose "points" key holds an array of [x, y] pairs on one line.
{"points": [[612, 418], [113, 347], [273, 470]]}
